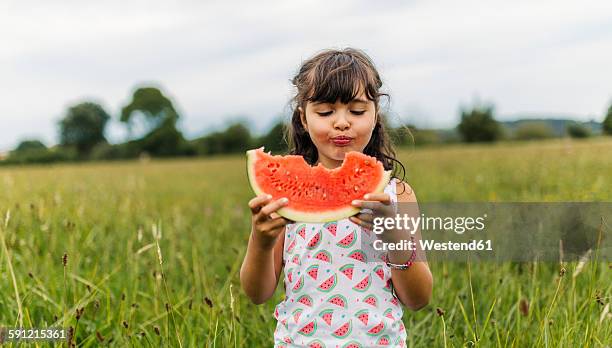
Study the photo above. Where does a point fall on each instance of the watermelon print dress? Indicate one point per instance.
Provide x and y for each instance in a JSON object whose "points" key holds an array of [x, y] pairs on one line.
{"points": [[338, 290]]}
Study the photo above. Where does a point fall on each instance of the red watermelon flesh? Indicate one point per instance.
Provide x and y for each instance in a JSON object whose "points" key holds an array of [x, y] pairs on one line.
{"points": [[291, 247], [316, 194], [379, 272]]}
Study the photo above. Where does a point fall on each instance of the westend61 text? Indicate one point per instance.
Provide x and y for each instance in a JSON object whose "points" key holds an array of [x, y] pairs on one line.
{"points": [[429, 244]]}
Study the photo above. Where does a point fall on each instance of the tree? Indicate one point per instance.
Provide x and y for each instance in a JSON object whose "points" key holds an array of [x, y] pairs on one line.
{"points": [[607, 123], [478, 125], [274, 140], [163, 138], [83, 127], [150, 102], [576, 130], [30, 145], [235, 139]]}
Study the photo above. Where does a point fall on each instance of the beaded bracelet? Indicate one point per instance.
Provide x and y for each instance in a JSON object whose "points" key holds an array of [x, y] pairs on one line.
{"points": [[405, 265]]}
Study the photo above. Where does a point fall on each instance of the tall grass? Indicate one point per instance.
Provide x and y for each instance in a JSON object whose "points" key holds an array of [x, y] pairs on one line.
{"points": [[154, 249]]}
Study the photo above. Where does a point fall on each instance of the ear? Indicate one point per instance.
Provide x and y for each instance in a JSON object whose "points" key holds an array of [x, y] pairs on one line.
{"points": [[303, 118]]}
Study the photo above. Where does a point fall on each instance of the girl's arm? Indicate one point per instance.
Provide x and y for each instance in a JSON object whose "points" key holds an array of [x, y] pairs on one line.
{"points": [[262, 263], [414, 285]]}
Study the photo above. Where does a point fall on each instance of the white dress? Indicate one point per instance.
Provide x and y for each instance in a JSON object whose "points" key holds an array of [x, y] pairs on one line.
{"points": [[338, 291]]}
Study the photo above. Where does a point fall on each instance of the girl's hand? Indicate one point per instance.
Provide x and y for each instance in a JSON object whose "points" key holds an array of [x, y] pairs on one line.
{"points": [[266, 224], [379, 205]]}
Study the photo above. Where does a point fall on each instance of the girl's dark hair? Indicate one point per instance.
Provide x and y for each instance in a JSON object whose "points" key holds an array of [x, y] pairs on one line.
{"points": [[333, 75]]}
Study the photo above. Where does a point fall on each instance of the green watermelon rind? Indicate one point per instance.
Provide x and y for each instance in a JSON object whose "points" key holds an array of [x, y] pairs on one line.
{"points": [[314, 329], [348, 332], [341, 297], [316, 217], [354, 234], [348, 344], [335, 277]]}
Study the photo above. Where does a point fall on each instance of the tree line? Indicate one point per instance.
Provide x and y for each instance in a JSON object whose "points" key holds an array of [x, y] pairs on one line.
{"points": [[82, 133]]}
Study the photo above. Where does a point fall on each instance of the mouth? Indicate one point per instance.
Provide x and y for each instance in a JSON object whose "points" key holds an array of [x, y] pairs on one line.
{"points": [[341, 140]]}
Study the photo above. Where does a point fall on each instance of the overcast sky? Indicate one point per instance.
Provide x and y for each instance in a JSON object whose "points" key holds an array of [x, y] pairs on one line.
{"points": [[227, 60]]}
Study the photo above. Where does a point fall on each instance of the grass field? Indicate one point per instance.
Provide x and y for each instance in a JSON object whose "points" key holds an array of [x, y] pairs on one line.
{"points": [[152, 251]]}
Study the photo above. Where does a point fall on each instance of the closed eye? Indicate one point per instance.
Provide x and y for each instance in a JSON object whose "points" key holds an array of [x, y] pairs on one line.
{"points": [[324, 113], [356, 112]]}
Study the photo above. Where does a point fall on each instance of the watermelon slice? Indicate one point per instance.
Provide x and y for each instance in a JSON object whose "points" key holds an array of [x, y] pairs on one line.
{"points": [[315, 344], [323, 255], [363, 316], [383, 340], [358, 255], [344, 330], [291, 246], [332, 227], [314, 241], [348, 241], [363, 285], [327, 315], [313, 271], [328, 284], [308, 329], [389, 313], [371, 300], [347, 270], [301, 231], [296, 314], [299, 285], [352, 344], [379, 272], [316, 194], [377, 330], [305, 300], [338, 300]]}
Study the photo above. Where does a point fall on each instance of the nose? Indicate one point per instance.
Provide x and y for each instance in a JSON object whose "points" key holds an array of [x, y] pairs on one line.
{"points": [[341, 122]]}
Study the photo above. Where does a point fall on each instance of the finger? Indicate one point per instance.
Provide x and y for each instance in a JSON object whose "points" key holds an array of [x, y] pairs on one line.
{"points": [[274, 224], [365, 217], [257, 202], [362, 223], [383, 198], [272, 207], [373, 205]]}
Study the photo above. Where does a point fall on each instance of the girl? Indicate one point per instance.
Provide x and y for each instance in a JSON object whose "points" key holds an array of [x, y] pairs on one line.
{"points": [[336, 110]]}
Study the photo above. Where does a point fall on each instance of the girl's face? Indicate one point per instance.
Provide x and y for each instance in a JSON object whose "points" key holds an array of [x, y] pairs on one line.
{"points": [[336, 129]]}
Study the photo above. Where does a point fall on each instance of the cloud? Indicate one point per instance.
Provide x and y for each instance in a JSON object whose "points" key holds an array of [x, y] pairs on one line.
{"points": [[220, 60]]}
